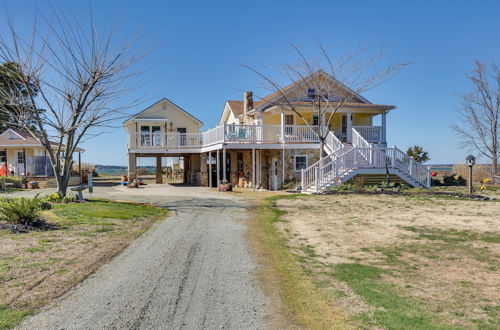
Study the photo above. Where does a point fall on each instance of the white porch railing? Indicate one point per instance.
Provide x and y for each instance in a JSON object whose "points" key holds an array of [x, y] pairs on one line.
{"points": [[300, 133], [213, 136], [332, 142], [252, 133], [226, 134], [357, 158], [372, 134], [166, 140]]}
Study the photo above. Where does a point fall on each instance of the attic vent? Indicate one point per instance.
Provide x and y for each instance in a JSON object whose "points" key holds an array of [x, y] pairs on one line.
{"points": [[164, 107], [311, 93]]}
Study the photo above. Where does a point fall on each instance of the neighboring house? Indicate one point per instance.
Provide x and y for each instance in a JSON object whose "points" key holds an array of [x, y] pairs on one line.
{"points": [[24, 155], [267, 145]]}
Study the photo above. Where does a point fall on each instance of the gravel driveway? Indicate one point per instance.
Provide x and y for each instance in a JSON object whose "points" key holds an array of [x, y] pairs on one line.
{"points": [[192, 271]]}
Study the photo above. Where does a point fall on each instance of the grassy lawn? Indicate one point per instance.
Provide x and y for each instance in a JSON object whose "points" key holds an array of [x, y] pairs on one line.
{"points": [[384, 261], [37, 267]]}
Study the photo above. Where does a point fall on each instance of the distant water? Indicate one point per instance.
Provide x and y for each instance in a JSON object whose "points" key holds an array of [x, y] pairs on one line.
{"points": [[111, 172], [444, 168]]}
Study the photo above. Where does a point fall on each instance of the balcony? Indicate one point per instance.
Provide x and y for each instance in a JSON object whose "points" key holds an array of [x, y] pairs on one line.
{"points": [[372, 134], [228, 134]]}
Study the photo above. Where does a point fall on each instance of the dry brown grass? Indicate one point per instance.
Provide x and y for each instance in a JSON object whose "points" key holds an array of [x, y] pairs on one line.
{"points": [[479, 173], [297, 304], [443, 253]]}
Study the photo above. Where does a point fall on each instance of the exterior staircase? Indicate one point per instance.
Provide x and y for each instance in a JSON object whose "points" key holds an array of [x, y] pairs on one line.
{"points": [[345, 161]]}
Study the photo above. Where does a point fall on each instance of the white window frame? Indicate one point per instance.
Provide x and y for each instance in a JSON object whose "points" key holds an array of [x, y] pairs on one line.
{"points": [[295, 162]]}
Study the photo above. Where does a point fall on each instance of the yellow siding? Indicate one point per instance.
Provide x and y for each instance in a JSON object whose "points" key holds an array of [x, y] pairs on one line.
{"points": [[359, 119], [164, 110]]}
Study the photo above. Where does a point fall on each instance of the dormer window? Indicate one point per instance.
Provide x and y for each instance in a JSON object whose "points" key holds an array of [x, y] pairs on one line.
{"points": [[311, 93]]}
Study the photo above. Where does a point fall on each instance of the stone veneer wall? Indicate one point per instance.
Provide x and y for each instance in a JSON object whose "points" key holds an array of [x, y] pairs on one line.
{"points": [[290, 173], [265, 166]]}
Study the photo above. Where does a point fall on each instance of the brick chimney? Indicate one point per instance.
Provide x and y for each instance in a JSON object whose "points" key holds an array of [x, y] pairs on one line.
{"points": [[247, 103]]}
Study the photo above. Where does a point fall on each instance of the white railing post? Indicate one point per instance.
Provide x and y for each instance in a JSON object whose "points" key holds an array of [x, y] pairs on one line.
{"points": [[302, 181], [225, 133], [316, 179], [429, 182], [393, 160]]}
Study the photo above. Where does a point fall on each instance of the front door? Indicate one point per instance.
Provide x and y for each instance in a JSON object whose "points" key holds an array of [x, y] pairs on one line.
{"points": [[289, 122], [19, 162], [156, 136], [182, 136], [274, 174]]}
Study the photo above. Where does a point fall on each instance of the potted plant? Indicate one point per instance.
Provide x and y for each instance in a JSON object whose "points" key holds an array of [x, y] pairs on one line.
{"points": [[225, 186]]}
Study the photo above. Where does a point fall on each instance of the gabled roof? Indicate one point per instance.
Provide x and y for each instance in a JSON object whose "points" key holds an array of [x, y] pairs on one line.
{"points": [[22, 137], [273, 97], [26, 139], [236, 107], [200, 123]]}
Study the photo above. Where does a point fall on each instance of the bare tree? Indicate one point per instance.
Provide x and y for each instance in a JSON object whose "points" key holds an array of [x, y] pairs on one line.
{"points": [[80, 77], [353, 74], [480, 114]]}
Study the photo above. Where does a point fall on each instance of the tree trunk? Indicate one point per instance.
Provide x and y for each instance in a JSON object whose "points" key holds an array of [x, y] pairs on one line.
{"points": [[322, 152], [494, 164]]}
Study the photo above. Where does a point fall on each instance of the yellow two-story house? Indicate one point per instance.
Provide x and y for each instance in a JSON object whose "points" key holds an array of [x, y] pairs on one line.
{"points": [[274, 143]]}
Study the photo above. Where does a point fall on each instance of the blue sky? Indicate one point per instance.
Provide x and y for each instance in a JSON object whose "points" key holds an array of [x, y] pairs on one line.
{"points": [[202, 43]]}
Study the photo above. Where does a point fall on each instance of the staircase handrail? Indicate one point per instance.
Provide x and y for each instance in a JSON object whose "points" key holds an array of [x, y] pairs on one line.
{"points": [[417, 171], [333, 142], [336, 167]]}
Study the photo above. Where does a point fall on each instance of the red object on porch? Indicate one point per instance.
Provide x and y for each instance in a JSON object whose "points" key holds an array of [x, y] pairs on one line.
{"points": [[433, 173], [4, 170]]}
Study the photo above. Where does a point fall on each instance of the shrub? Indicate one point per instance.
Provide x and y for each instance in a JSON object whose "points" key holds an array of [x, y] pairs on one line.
{"points": [[22, 210], [435, 182], [479, 172], [58, 198], [343, 187], [359, 183], [17, 181], [454, 180], [54, 198], [44, 205], [290, 184]]}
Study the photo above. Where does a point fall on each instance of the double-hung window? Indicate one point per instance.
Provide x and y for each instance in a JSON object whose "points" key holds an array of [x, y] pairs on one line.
{"points": [[300, 162]]}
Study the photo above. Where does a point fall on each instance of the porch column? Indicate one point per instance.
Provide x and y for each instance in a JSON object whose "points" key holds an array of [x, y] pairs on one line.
{"points": [[210, 169], [384, 132], [224, 176], [253, 169], [218, 167], [25, 160], [283, 165], [349, 127], [132, 167], [282, 126], [159, 174]]}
